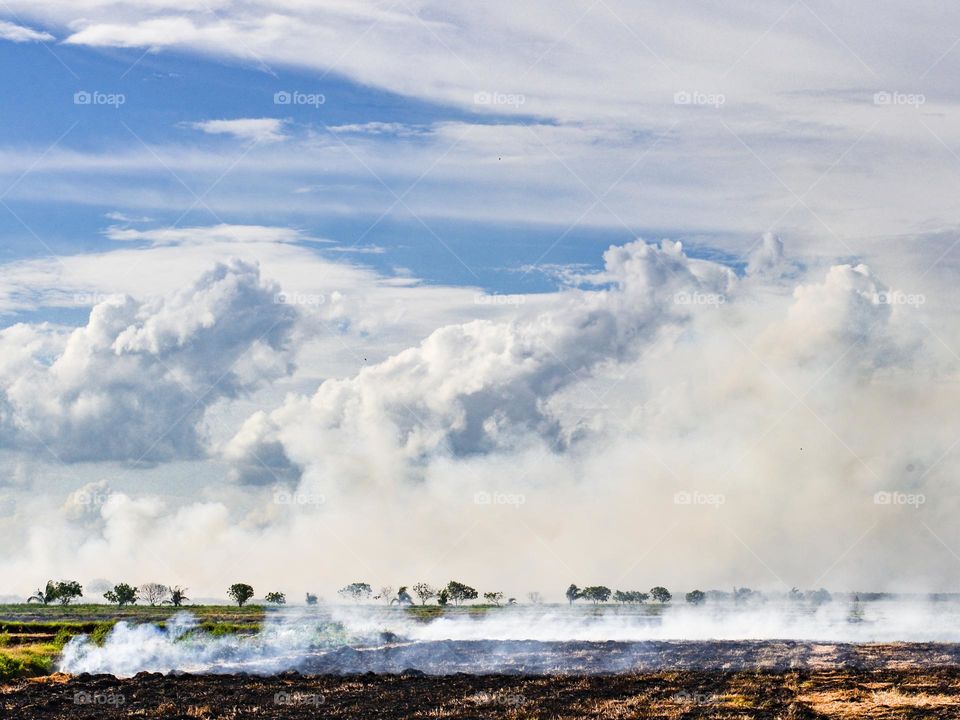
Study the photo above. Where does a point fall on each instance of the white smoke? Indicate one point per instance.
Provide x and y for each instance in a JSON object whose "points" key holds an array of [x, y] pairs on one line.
{"points": [[349, 640]]}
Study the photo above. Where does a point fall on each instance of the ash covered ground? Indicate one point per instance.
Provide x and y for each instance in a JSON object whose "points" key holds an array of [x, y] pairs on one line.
{"points": [[826, 693]]}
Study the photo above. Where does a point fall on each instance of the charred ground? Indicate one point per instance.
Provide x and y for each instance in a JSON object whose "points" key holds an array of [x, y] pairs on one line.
{"points": [[888, 693]]}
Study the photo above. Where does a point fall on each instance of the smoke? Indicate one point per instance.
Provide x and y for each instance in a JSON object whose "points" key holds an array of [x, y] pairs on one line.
{"points": [[530, 640], [661, 421]]}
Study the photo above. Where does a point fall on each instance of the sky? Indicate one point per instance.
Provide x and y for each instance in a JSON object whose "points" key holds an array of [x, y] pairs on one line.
{"points": [[302, 293]]}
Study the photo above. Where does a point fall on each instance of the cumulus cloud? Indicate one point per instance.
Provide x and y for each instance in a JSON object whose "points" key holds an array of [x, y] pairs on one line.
{"points": [[484, 385], [133, 383], [20, 34]]}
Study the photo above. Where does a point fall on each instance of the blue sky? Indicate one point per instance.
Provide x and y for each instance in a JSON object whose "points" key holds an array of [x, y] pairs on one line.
{"points": [[165, 93]]}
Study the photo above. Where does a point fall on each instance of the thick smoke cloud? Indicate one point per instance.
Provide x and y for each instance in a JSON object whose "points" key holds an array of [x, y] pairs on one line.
{"points": [[480, 386], [134, 382], [660, 421]]}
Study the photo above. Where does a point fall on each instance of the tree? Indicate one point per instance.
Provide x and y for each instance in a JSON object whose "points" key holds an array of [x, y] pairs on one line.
{"points": [[424, 591], [122, 594], [356, 591], [458, 592], [596, 593], [385, 594], [535, 598], [573, 593], [240, 592], [443, 597], [819, 597], [636, 597], [44, 595], [696, 597], [154, 593], [68, 590], [661, 594], [403, 597], [178, 596], [63, 591], [276, 598], [621, 597], [493, 597]]}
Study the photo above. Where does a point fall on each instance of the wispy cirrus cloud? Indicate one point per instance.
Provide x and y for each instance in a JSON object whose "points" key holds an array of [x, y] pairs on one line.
{"points": [[21, 34]]}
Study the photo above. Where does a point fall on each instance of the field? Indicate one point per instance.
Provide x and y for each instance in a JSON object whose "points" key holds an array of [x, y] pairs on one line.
{"points": [[833, 694], [32, 636], [478, 678]]}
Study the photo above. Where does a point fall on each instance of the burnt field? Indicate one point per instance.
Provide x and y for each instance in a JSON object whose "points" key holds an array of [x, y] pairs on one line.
{"points": [[838, 693], [745, 679]]}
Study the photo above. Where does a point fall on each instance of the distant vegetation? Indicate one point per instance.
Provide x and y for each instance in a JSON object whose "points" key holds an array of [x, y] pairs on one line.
{"points": [[240, 593], [63, 592], [455, 593]]}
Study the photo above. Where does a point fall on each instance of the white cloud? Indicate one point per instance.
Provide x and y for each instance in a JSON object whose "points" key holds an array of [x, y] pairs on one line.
{"points": [[798, 121], [222, 233], [133, 383], [20, 34], [264, 130]]}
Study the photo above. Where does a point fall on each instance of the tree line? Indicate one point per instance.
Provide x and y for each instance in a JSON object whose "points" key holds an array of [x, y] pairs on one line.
{"points": [[454, 592]]}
